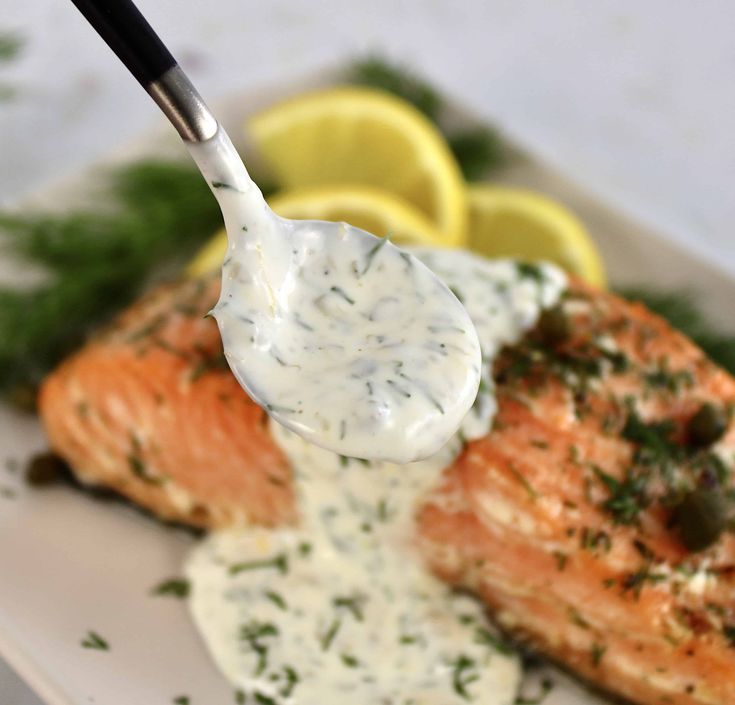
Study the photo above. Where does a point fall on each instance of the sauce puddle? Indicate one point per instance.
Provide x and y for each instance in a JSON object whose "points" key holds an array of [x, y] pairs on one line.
{"points": [[341, 609]]}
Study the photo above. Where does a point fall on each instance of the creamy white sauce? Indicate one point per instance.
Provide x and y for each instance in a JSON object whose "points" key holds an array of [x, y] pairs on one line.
{"points": [[342, 337], [341, 608], [504, 300]]}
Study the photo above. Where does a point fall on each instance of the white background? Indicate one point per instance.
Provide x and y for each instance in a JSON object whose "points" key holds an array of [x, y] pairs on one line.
{"points": [[634, 98]]}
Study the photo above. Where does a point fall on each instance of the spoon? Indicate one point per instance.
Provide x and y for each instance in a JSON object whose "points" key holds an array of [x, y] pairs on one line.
{"points": [[340, 336]]}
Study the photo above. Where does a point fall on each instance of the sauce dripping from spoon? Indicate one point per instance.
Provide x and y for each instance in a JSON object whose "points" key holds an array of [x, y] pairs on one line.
{"points": [[342, 337]]}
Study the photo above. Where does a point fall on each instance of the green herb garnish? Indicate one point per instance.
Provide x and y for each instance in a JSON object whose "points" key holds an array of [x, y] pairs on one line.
{"points": [[255, 634], [464, 674], [95, 641], [279, 562], [376, 72], [11, 45], [628, 497], [547, 686], [576, 618], [349, 661], [175, 587], [328, 638], [635, 581], [477, 150], [277, 599], [263, 699], [97, 262], [353, 604], [140, 470], [488, 638], [592, 540], [529, 270], [533, 493], [679, 308], [664, 378], [596, 653]]}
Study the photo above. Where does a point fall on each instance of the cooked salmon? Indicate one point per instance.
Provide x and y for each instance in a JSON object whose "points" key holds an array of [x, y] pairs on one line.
{"points": [[150, 409], [593, 519], [564, 517]]}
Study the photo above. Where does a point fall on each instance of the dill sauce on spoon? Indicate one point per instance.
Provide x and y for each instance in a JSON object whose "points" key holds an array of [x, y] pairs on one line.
{"points": [[340, 609], [343, 338]]}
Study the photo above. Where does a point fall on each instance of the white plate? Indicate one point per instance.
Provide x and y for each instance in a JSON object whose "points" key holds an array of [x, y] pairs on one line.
{"points": [[69, 565]]}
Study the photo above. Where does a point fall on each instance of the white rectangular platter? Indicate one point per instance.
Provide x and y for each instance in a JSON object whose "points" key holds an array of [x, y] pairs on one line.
{"points": [[69, 565]]}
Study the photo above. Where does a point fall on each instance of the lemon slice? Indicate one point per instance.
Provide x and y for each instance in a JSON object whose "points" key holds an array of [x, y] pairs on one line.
{"points": [[365, 137], [508, 222], [376, 211]]}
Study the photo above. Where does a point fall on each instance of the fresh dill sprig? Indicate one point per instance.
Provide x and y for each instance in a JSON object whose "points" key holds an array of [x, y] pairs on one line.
{"points": [[376, 72], [679, 308], [477, 150], [97, 261], [11, 45]]}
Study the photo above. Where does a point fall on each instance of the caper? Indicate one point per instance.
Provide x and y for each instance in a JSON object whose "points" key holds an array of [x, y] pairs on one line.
{"points": [[45, 469], [554, 325], [707, 426], [701, 516]]}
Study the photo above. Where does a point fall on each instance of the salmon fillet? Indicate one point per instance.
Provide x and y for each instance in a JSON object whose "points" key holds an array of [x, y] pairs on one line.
{"points": [[560, 519], [150, 409]]}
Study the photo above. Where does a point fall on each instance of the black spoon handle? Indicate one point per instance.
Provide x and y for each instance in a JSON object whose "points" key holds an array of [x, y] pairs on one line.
{"points": [[128, 34]]}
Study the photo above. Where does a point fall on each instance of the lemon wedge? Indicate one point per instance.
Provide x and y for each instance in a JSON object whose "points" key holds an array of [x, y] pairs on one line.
{"points": [[376, 211], [364, 137], [509, 222]]}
